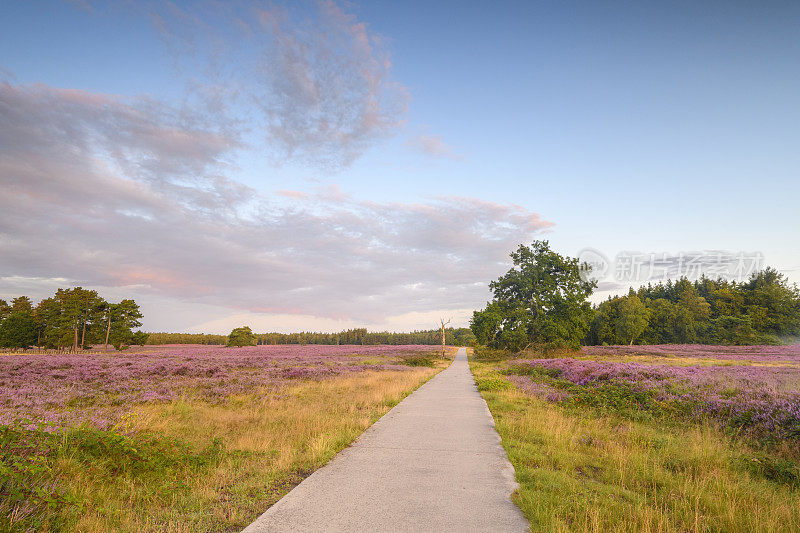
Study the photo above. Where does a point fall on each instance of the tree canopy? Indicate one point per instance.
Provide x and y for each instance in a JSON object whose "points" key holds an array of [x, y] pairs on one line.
{"points": [[541, 301], [763, 310], [18, 330], [73, 319], [242, 336]]}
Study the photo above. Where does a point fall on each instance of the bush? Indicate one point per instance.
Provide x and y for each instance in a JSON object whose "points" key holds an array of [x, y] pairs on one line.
{"points": [[419, 360], [493, 384]]}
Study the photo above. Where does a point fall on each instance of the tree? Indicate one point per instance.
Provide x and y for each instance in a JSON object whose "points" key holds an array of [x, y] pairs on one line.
{"points": [[22, 304], [631, 319], [773, 304], [18, 330], [541, 301], [732, 330], [442, 321], [48, 319], [5, 310], [140, 338], [694, 315], [487, 324], [120, 320], [242, 336], [71, 311], [603, 330]]}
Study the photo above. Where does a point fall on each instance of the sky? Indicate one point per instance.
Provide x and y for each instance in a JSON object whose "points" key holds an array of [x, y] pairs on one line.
{"points": [[324, 165]]}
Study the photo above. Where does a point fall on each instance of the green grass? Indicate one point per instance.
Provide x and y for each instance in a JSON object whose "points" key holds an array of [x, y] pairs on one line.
{"points": [[603, 467], [33, 464]]}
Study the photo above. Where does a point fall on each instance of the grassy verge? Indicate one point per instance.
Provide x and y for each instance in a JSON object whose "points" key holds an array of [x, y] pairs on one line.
{"points": [[189, 465], [589, 469]]}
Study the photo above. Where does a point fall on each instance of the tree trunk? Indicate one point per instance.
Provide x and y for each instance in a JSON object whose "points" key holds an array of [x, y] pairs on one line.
{"points": [[441, 320], [108, 332], [75, 342], [83, 335]]}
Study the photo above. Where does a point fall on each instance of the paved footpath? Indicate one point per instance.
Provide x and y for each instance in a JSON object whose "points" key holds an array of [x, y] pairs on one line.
{"points": [[433, 463]]}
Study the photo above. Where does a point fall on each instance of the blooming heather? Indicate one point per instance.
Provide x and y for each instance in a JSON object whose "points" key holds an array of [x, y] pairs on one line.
{"points": [[71, 389], [790, 353], [761, 400]]}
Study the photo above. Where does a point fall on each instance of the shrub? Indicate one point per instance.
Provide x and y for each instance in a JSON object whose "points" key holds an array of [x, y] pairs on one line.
{"points": [[419, 360]]}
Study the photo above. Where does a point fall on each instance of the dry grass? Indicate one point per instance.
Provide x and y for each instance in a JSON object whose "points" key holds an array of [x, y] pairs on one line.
{"points": [[258, 448], [579, 471]]}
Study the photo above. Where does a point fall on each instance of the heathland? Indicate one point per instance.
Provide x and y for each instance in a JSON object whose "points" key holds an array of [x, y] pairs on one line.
{"points": [[651, 438], [183, 438], [655, 432]]}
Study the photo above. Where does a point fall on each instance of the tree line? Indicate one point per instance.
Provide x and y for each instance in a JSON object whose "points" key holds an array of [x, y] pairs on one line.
{"points": [[542, 301], [70, 320], [453, 337], [762, 310]]}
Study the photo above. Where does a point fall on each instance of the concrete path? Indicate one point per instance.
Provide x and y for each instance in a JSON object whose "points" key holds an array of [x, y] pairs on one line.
{"points": [[433, 463]]}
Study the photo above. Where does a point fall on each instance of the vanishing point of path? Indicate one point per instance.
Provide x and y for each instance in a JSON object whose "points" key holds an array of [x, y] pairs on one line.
{"points": [[433, 463]]}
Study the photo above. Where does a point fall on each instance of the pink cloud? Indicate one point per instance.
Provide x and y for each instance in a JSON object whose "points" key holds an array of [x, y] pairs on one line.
{"points": [[432, 145], [107, 192], [292, 194]]}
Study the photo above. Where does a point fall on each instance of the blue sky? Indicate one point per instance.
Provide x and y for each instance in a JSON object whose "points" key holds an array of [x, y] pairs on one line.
{"points": [[297, 137]]}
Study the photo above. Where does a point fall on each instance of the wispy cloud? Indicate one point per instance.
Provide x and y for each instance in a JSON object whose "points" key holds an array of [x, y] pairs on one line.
{"points": [[432, 145], [329, 94], [316, 81], [110, 192]]}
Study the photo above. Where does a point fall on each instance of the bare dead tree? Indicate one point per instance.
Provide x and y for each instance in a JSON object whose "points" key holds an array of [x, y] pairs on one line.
{"points": [[443, 325]]}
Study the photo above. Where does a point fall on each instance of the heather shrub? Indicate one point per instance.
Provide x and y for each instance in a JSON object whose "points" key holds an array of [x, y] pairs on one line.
{"points": [[70, 389], [419, 360], [760, 401]]}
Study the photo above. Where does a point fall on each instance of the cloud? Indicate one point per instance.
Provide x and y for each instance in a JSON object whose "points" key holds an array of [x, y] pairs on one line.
{"points": [[292, 194], [315, 79], [432, 145], [329, 95], [107, 192]]}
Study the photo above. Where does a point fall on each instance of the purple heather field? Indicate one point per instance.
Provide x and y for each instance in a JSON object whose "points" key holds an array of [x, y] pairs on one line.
{"points": [[98, 388], [751, 388]]}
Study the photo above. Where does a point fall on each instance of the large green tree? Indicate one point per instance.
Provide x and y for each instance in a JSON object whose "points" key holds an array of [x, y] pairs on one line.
{"points": [[242, 337], [18, 330], [541, 301], [619, 320], [120, 320], [631, 320]]}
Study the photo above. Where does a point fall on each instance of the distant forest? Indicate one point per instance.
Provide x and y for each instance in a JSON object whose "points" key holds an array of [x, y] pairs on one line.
{"points": [[453, 337], [763, 310]]}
